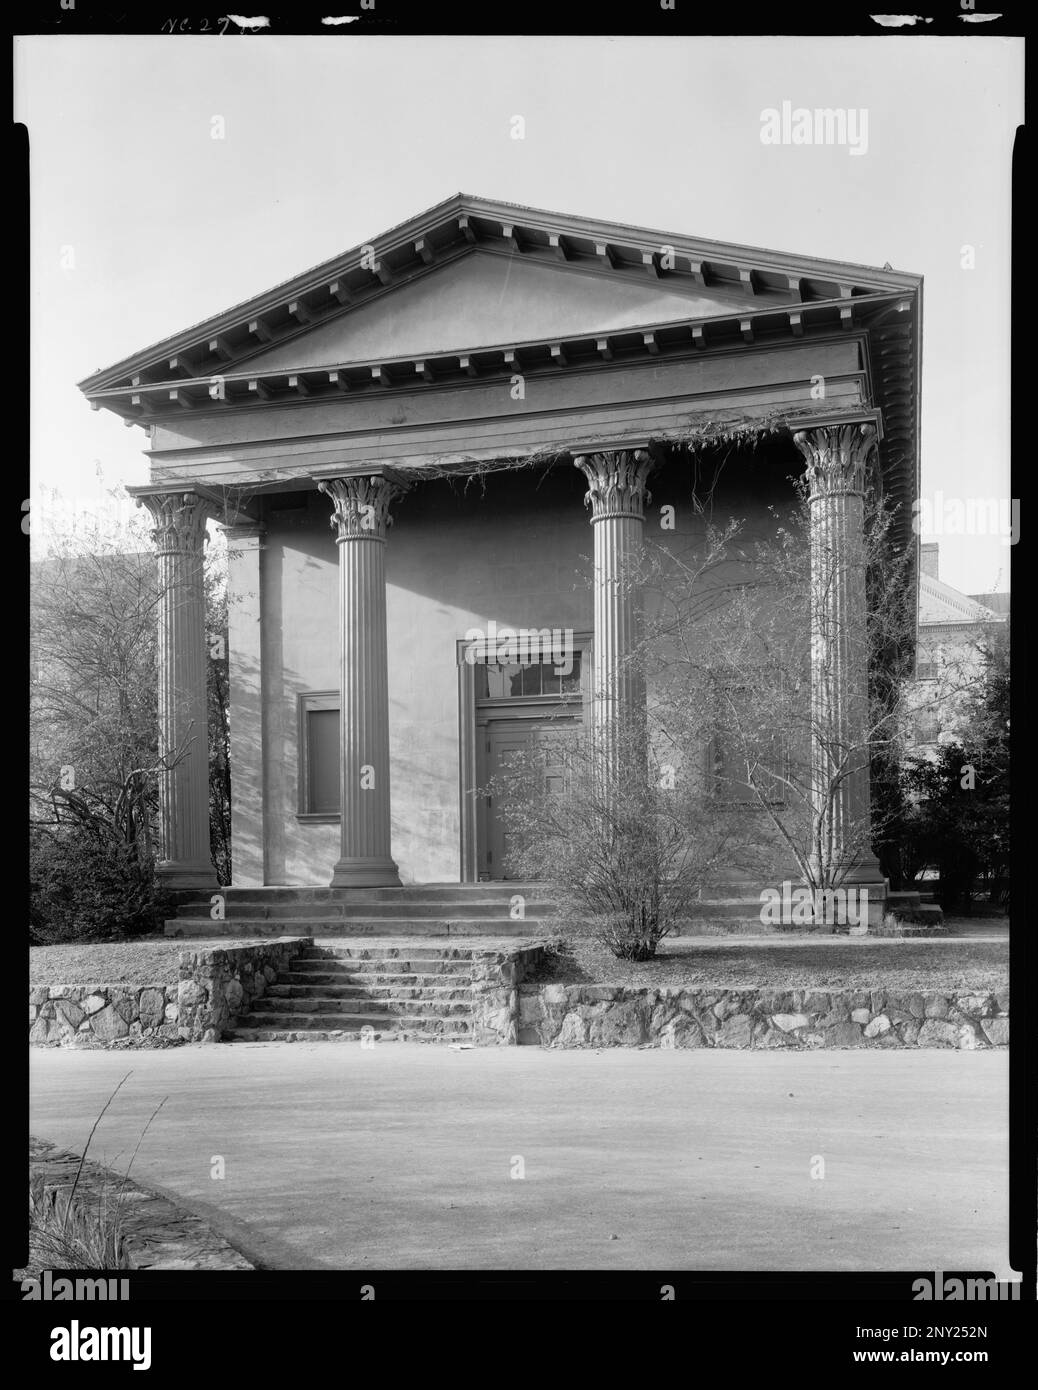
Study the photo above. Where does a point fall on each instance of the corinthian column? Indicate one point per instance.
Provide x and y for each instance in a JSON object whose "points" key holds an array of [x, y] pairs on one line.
{"points": [[839, 459], [616, 495], [245, 685], [361, 517], [179, 537]]}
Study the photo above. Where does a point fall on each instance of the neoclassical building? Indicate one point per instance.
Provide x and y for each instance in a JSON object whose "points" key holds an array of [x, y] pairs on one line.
{"points": [[449, 433], [953, 632]]}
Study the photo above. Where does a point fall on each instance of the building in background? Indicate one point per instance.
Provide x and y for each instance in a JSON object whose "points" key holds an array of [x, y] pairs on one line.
{"points": [[954, 632]]}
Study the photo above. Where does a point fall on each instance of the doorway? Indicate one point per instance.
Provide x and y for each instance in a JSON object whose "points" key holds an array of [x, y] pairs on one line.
{"points": [[505, 739], [508, 711]]}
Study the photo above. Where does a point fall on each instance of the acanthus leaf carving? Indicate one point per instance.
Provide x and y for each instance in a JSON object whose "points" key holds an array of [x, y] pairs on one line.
{"points": [[838, 457], [180, 519], [360, 505], [616, 482]]}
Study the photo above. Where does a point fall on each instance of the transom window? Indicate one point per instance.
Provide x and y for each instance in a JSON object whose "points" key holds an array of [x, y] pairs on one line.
{"points": [[529, 680]]}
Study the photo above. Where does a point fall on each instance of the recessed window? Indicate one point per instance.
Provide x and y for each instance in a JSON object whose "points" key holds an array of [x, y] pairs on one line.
{"points": [[319, 791]]}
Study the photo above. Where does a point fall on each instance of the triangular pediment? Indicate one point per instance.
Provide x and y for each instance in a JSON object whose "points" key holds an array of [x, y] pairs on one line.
{"points": [[471, 273], [483, 300]]}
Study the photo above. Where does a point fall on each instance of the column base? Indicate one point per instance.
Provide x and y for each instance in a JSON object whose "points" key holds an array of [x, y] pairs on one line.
{"points": [[863, 870], [174, 873], [365, 873], [865, 876], [867, 880], [866, 871]]}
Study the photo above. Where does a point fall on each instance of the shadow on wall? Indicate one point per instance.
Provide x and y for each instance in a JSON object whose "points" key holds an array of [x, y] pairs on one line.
{"points": [[513, 547]]}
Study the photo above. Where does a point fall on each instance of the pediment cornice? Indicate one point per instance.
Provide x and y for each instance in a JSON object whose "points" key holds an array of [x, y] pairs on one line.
{"points": [[740, 298], [763, 281]]}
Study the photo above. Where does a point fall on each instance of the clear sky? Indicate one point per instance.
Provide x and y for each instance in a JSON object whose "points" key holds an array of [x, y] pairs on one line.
{"points": [[330, 141]]}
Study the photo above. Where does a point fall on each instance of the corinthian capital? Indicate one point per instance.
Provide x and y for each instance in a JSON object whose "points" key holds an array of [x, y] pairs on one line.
{"points": [[616, 482], [838, 457], [360, 505], [180, 519]]}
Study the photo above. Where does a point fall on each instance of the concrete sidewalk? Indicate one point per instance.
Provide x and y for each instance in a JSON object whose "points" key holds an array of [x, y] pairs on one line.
{"points": [[402, 1156]]}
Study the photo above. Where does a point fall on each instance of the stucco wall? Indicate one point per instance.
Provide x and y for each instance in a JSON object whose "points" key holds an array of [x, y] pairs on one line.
{"points": [[629, 399], [513, 548]]}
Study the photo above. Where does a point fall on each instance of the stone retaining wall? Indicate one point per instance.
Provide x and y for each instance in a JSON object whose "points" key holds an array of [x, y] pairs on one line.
{"points": [[215, 986], [614, 1016], [495, 993], [220, 982], [103, 1014]]}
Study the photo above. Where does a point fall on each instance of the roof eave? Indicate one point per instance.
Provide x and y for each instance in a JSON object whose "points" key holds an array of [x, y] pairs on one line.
{"points": [[531, 219]]}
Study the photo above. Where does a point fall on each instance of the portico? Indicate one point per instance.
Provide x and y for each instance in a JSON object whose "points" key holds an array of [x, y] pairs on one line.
{"points": [[406, 447]]}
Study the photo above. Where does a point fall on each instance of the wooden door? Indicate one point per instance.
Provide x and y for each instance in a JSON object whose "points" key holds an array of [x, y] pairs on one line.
{"points": [[505, 738]]}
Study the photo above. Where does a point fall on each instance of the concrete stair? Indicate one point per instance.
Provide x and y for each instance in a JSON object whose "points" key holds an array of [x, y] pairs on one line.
{"points": [[454, 909], [413, 993], [435, 910]]}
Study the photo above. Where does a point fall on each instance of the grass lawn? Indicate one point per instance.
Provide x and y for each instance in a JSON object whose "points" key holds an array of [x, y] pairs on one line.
{"points": [[852, 962], [151, 961], [833, 962]]}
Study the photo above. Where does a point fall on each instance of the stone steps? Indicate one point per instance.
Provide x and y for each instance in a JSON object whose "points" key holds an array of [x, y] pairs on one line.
{"points": [[322, 980], [350, 950], [396, 965], [353, 992], [387, 1005], [345, 1035], [390, 989], [303, 1022]]}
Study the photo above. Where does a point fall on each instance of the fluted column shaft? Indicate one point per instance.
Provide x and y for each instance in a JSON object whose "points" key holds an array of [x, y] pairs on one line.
{"points": [[616, 496], [839, 458], [245, 688], [180, 537], [361, 517]]}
